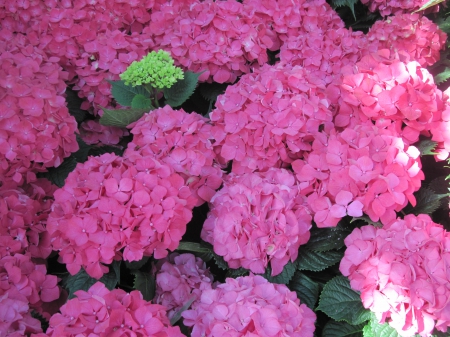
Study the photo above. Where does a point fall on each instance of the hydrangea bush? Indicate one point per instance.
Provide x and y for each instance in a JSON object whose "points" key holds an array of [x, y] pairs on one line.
{"points": [[224, 168]]}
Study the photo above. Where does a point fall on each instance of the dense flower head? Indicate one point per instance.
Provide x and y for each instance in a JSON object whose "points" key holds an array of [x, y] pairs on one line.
{"points": [[156, 69], [257, 218], [93, 133], [250, 306], [24, 287], [402, 274], [183, 141], [23, 217], [104, 313], [36, 129], [222, 38], [416, 35], [112, 207], [269, 118], [180, 279], [367, 168], [386, 7]]}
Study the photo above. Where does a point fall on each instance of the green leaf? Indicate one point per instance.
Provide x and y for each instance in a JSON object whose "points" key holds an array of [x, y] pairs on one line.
{"points": [[340, 302], [444, 24], [58, 175], [442, 76], [178, 93], [429, 4], [222, 264], [41, 319], [83, 151], [111, 278], [124, 94], [121, 118], [367, 220], [198, 249], [210, 91], [99, 150], [347, 3], [176, 317], [284, 277], [317, 261], [324, 239], [427, 201], [145, 283], [136, 264], [426, 147], [141, 102], [73, 105], [341, 329], [233, 273], [307, 290]]}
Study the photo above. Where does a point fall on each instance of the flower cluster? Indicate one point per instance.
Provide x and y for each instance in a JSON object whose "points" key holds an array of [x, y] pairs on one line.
{"points": [[25, 287], [101, 312], [221, 38], [36, 129], [182, 141], [156, 69], [250, 306], [366, 168], [23, 216], [179, 280], [415, 35], [109, 204], [257, 218], [402, 274], [269, 118], [392, 7], [93, 133]]}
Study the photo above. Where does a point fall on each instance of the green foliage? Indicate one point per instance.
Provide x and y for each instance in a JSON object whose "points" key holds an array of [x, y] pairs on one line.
{"points": [[324, 239], [340, 302], [58, 175], [82, 281], [176, 317], [284, 277], [205, 253], [124, 94], [426, 147], [374, 329], [317, 261], [83, 151], [156, 69], [442, 76], [121, 118], [73, 105], [347, 3], [444, 24], [210, 91], [428, 201], [40, 318], [99, 150], [307, 290], [181, 90], [141, 102], [145, 283], [134, 265], [342, 329], [429, 4], [367, 220]]}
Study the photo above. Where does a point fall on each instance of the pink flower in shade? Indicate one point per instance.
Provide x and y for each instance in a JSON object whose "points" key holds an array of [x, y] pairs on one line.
{"points": [[182, 141], [269, 118], [180, 279], [249, 306], [401, 272], [25, 286], [256, 218], [388, 7], [93, 133], [36, 129], [224, 39], [112, 207], [104, 313], [416, 35]]}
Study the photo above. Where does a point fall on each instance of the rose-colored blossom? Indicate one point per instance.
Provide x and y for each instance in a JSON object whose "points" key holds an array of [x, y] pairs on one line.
{"points": [[93, 133], [180, 279], [401, 272], [183, 142], [257, 218], [109, 204], [103, 313], [392, 7], [250, 306]]}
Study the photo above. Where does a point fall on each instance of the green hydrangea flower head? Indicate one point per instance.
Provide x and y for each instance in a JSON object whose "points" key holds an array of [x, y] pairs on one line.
{"points": [[156, 69]]}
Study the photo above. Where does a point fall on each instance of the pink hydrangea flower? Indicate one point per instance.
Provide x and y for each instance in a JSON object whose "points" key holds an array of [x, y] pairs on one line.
{"points": [[250, 306], [180, 279], [257, 219], [103, 313], [392, 7], [269, 118], [112, 207], [401, 272], [93, 133], [223, 38], [182, 141]]}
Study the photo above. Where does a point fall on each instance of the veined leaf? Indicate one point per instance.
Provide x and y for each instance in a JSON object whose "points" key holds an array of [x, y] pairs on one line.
{"points": [[342, 329], [145, 283], [426, 147], [347, 3], [307, 290], [121, 118], [284, 277], [141, 102], [429, 4], [317, 261], [124, 94], [178, 93], [443, 76]]}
